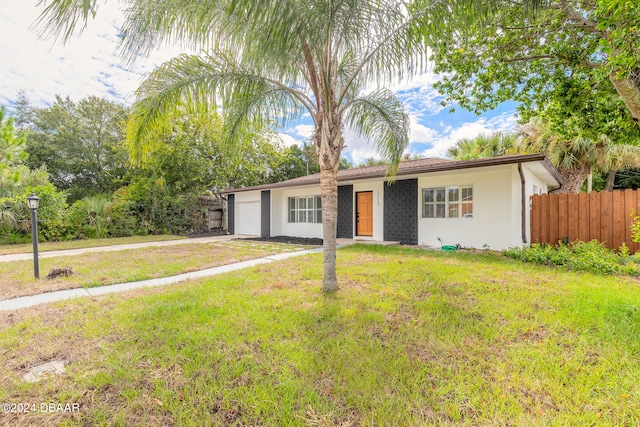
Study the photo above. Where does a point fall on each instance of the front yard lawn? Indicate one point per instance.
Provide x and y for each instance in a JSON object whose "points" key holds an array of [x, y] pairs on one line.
{"points": [[106, 268], [412, 338]]}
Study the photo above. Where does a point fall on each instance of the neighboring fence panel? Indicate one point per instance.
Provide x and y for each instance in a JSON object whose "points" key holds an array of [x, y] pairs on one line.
{"points": [[604, 216]]}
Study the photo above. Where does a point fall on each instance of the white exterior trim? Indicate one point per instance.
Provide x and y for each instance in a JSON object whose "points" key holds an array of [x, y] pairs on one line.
{"points": [[377, 188]]}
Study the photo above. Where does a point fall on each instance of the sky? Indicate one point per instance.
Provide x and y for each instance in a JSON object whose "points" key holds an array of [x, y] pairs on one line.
{"points": [[89, 65]]}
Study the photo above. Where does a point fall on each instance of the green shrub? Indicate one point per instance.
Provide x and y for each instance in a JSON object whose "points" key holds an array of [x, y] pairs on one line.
{"points": [[51, 211], [635, 226], [124, 221], [591, 257], [77, 222], [98, 212], [148, 206]]}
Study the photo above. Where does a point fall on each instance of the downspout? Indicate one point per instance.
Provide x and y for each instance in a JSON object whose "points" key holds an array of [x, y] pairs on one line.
{"points": [[523, 213]]}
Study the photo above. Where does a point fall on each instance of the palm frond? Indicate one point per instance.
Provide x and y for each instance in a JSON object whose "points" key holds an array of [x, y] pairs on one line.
{"points": [[381, 116], [483, 146], [61, 18], [212, 81]]}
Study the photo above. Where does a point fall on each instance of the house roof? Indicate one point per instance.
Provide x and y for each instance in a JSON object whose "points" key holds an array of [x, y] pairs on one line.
{"points": [[412, 167]]}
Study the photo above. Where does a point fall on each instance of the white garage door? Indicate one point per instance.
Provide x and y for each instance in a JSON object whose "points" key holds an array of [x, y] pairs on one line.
{"points": [[248, 218]]}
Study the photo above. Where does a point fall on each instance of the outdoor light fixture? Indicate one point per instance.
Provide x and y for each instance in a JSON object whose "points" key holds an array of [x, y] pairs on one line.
{"points": [[33, 201]]}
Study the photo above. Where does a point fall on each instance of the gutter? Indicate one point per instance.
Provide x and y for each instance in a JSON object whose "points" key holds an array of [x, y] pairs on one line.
{"points": [[523, 197]]}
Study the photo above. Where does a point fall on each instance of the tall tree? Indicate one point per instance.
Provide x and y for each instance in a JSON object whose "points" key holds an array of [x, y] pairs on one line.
{"points": [[11, 154], [276, 59], [578, 157], [190, 155], [81, 143]]}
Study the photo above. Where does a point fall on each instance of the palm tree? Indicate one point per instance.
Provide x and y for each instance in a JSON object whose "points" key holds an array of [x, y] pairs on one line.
{"points": [[280, 59], [98, 209], [484, 145], [578, 157]]}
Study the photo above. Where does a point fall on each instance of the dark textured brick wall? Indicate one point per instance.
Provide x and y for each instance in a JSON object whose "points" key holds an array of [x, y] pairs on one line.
{"points": [[265, 213], [231, 209], [345, 212], [401, 211]]}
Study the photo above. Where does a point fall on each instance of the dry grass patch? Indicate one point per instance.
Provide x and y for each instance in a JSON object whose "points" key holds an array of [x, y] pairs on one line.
{"points": [[106, 268]]}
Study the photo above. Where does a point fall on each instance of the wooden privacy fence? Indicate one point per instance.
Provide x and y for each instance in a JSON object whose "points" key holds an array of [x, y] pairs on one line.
{"points": [[604, 216]]}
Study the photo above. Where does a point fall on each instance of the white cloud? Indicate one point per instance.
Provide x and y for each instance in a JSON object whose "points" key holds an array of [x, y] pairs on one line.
{"points": [[357, 147], [419, 132], [288, 140], [303, 130], [87, 65], [442, 142], [419, 96]]}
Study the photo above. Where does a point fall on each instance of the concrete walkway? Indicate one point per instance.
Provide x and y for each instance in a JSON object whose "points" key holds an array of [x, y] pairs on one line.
{"points": [[124, 247], [29, 301]]}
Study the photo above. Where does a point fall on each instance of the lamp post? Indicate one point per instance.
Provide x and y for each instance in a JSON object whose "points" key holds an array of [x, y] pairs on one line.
{"points": [[32, 202]]}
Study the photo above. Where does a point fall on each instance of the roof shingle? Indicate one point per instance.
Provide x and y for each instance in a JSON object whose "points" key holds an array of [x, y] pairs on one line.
{"points": [[409, 167]]}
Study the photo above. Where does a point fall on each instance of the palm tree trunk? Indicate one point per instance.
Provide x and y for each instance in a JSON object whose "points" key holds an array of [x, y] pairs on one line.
{"points": [[573, 179], [329, 195], [611, 178], [329, 142]]}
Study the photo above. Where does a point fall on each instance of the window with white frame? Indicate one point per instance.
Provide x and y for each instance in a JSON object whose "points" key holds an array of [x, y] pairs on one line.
{"points": [[447, 202], [305, 209]]}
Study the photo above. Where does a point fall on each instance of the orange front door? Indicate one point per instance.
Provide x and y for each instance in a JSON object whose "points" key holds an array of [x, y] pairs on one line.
{"points": [[364, 213]]}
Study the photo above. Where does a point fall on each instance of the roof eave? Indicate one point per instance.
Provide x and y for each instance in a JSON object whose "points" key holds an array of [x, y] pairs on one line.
{"points": [[439, 167]]}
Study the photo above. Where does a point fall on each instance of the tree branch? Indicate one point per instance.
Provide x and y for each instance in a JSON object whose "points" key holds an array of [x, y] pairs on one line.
{"points": [[577, 18], [528, 58]]}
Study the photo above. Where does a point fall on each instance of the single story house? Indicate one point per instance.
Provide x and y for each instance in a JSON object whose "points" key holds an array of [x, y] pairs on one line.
{"points": [[474, 203]]}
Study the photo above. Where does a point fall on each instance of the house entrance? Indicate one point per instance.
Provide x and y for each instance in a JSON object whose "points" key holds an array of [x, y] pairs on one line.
{"points": [[364, 213]]}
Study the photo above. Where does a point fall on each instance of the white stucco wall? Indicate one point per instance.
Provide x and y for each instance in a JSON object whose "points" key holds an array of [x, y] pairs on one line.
{"points": [[495, 201], [279, 214], [532, 181]]}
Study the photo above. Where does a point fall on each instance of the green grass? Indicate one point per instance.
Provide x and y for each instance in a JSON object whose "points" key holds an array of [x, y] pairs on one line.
{"points": [[412, 338], [79, 244]]}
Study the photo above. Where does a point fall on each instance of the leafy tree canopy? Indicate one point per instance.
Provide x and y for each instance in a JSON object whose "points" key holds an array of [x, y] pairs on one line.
{"points": [[576, 64], [190, 154], [81, 144], [12, 150]]}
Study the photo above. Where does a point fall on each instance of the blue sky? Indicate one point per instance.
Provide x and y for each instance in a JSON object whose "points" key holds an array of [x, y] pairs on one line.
{"points": [[89, 65]]}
